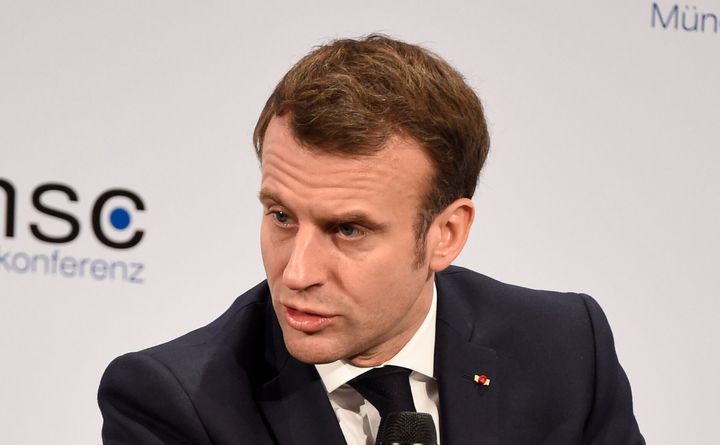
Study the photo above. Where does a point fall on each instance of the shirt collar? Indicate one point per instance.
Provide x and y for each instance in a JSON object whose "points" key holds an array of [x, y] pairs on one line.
{"points": [[418, 355]]}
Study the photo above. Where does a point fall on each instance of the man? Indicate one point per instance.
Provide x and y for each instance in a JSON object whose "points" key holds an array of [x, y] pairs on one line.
{"points": [[370, 152]]}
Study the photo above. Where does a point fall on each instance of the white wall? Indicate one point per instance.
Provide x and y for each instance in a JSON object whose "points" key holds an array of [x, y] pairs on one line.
{"points": [[601, 177]]}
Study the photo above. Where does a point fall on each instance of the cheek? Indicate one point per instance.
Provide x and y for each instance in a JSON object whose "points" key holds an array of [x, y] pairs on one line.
{"points": [[390, 261], [377, 285], [265, 247], [271, 251]]}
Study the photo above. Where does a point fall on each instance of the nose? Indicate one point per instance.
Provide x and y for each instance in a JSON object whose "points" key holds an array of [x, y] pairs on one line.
{"points": [[305, 267]]}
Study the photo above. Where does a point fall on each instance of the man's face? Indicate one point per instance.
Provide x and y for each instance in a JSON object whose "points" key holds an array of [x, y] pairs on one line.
{"points": [[338, 244]]}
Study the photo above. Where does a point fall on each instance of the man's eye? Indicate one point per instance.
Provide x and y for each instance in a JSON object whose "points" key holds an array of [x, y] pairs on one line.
{"points": [[349, 231], [280, 217]]}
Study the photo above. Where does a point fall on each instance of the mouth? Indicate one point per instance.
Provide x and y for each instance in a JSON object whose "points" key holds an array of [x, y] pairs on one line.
{"points": [[305, 321]]}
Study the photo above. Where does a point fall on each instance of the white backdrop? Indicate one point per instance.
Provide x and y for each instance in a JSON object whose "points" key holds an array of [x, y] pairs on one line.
{"points": [[601, 177]]}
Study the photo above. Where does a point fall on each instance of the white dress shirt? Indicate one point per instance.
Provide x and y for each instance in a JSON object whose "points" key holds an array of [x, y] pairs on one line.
{"points": [[358, 419]]}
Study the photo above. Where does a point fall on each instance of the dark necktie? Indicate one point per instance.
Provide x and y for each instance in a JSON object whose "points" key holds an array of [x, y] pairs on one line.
{"points": [[387, 389]]}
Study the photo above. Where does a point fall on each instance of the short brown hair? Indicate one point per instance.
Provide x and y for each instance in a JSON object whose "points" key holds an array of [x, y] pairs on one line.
{"points": [[350, 96]]}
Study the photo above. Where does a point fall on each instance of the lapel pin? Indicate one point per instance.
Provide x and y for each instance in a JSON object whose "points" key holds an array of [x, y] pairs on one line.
{"points": [[481, 379]]}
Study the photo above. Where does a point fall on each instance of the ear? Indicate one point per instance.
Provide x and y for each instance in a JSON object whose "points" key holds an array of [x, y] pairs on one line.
{"points": [[450, 229]]}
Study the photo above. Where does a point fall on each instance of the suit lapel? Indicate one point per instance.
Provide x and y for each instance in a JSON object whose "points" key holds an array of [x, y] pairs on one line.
{"points": [[294, 402], [468, 410]]}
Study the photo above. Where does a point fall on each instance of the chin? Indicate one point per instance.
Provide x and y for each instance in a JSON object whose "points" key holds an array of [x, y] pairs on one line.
{"points": [[311, 352]]}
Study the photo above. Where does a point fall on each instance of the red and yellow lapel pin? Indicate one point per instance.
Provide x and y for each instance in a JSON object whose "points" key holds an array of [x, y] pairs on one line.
{"points": [[481, 379]]}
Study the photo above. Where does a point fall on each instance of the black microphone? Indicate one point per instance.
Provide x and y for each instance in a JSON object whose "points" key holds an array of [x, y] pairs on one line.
{"points": [[408, 428]]}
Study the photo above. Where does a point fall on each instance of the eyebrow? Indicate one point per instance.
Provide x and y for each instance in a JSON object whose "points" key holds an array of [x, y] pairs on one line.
{"points": [[266, 195], [355, 217]]}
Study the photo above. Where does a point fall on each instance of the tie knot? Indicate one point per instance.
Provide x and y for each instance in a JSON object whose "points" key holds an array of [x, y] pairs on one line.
{"points": [[387, 388]]}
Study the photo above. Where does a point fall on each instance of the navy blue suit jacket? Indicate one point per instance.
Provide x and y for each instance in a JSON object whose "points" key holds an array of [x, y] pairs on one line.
{"points": [[555, 377]]}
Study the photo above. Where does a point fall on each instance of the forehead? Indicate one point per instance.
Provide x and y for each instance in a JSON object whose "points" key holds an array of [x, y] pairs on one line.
{"points": [[400, 171]]}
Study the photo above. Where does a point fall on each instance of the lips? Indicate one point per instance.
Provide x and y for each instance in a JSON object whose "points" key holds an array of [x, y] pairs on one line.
{"points": [[307, 322]]}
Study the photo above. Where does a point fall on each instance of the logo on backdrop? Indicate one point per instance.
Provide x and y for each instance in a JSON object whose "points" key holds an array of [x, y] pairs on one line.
{"points": [[687, 19], [111, 222]]}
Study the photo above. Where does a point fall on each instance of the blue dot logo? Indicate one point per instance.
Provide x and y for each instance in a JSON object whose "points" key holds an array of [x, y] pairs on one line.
{"points": [[120, 218]]}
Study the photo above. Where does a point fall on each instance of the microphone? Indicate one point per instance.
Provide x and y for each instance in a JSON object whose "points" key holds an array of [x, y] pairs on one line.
{"points": [[408, 428]]}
